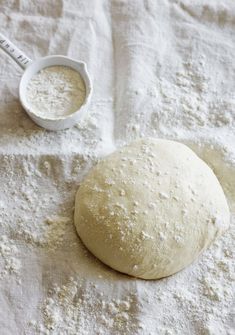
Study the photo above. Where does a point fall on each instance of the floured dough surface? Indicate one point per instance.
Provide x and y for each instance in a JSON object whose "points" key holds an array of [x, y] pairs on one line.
{"points": [[150, 208]]}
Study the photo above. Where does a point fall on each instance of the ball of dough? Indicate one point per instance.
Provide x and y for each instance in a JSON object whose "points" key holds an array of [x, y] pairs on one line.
{"points": [[150, 208]]}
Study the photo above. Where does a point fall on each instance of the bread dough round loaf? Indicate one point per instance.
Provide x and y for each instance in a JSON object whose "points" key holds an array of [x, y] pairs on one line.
{"points": [[150, 208]]}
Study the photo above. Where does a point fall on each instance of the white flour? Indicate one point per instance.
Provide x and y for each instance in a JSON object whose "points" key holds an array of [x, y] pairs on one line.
{"points": [[56, 91], [9, 263], [160, 68]]}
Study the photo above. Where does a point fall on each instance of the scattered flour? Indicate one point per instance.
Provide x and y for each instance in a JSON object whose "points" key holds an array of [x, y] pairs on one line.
{"points": [[80, 307], [9, 259], [50, 234], [56, 91], [163, 69]]}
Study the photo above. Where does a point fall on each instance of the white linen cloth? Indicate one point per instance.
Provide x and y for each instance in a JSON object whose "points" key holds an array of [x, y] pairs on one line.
{"points": [[160, 68]]}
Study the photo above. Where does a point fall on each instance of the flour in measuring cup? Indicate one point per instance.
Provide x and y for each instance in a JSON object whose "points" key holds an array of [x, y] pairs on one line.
{"points": [[55, 92]]}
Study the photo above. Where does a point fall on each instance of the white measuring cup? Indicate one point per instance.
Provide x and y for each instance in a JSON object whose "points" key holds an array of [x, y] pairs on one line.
{"points": [[31, 68]]}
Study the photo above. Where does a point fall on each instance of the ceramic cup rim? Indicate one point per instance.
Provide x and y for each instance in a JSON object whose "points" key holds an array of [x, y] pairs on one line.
{"points": [[48, 61]]}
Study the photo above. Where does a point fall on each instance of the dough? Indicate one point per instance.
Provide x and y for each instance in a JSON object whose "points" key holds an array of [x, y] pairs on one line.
{"points": [[150, 208]]}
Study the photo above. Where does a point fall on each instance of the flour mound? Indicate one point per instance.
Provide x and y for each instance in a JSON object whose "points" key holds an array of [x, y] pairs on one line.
{"points": [[56, 91]]}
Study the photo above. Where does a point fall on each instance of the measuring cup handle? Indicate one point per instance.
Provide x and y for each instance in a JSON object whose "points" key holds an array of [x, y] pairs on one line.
{"points": [[18, 56]]}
